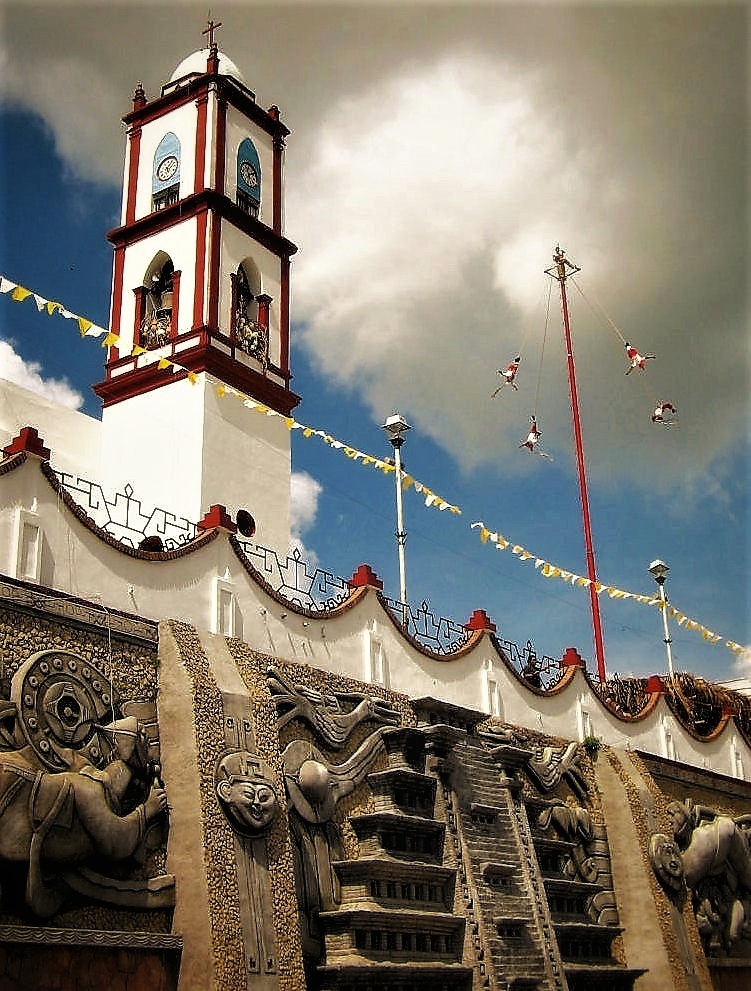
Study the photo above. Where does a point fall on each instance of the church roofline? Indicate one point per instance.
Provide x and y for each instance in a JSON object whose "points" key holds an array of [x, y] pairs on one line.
{"points": [[198, 88]]}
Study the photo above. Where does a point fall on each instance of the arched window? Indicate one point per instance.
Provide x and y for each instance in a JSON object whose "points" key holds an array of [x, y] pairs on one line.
{"points": [[249, 317], [165, 177], [248, 178], [157, 302]]}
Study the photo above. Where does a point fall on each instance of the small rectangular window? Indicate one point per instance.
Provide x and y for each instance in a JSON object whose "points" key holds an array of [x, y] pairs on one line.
{"points": [[28, 546]]}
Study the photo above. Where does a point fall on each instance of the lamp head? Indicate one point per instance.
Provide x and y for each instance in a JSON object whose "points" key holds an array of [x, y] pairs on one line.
{"points": [[396, 426], [658, 570]]}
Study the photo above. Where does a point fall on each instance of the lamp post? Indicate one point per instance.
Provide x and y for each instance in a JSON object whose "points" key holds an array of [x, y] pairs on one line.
{"points": [[659, 570], [396, 427]]}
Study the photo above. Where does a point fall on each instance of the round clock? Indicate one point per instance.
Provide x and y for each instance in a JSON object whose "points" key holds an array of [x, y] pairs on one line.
{"points": [[166, 168], [249, 174]]}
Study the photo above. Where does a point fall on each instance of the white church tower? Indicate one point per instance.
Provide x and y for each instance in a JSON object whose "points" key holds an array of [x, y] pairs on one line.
{"points": [[201, 278]]}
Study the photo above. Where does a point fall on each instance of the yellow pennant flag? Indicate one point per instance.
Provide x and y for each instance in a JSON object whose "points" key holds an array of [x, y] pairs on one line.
{"points": [[83, 325], [192, 378], [110, 340], [20, 294], [137, 350], [163, 363]]}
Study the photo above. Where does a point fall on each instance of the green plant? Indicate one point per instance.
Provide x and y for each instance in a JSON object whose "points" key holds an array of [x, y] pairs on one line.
{"points": [[592, 745]]}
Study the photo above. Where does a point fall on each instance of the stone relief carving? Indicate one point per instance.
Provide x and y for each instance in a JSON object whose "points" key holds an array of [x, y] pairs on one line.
{"points": [[246, 792], [572, 823], [331, 715], [315, 784], [550, 765], [546, 766], [79, 784], [709, 853]]}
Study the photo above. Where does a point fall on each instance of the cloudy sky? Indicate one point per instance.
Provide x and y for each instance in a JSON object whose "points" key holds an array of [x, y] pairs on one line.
{"points": [[438, 154]]}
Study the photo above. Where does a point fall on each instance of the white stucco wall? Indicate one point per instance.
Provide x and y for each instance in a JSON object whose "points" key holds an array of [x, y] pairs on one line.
{"points": [[360, 641], [73, 437]]}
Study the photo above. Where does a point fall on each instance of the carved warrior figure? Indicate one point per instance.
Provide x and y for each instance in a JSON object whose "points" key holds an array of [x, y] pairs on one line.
{"points": [[315, 785], [710, 843], [711, 853], [72, 787]]}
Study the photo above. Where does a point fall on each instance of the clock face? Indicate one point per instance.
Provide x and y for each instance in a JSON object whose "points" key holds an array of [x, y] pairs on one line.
{"points": [[166, 168], [249, 174]]}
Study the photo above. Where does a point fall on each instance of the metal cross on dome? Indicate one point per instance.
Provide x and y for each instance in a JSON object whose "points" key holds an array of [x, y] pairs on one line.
{"points": [[210, 29]]}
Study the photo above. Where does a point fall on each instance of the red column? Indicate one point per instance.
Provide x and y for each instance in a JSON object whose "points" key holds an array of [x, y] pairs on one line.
{"points": [[200, 160], [174, 330], [284, 318], [140, 294], [134, 157]]}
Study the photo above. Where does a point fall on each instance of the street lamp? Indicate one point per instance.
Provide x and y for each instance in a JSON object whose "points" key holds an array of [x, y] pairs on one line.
{"points": [[396, 427], [659, 570]]}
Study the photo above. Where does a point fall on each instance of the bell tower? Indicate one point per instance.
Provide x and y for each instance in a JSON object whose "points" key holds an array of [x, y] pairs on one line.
{"points": [[201, 284]]}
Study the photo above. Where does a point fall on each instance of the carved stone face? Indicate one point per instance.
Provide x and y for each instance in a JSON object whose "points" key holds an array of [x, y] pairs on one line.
{"points": [[666, 861], [253, 802], [246, 792]]}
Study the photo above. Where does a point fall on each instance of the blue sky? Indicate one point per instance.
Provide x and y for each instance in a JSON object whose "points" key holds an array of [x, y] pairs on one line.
{"points": [[428, 179]]}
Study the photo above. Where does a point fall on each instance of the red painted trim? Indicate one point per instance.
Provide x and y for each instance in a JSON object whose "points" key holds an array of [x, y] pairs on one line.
{"points": [[200, 161], [233, 306], [479, 620], [239, 97], [217, 518], [365, 577], [201, 358], [276, 222], [572, 659], [133, 160], [215, 232], [284, 317], [117, 299], [140, 293], [29, 441], [174, 325], [200, 279], [191, 206], [264, 302], [220, 156]]}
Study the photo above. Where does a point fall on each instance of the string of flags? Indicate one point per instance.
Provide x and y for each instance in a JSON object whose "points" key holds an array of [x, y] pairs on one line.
{"points": [[387, 467], [87, 328], [548, 570]]}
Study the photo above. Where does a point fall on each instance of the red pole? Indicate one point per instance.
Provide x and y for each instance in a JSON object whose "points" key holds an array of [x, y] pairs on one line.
{"points": [[560, 268]]}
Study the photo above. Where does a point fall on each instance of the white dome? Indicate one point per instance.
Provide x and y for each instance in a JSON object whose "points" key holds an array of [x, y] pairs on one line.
{"points": [[195, 65]]}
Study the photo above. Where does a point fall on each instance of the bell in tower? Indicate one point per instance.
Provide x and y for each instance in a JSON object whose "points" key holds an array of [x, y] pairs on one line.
{"points": [[200, 302]]}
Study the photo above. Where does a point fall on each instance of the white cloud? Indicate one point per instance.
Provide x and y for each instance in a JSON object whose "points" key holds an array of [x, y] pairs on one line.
{"points": [[28, 374], [428, 208], [304, 494], [742, 666], [75, 99]]}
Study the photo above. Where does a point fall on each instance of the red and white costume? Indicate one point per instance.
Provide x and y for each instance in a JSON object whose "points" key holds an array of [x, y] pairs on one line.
{"points": [[636, 360], [533, 439], [664, 413], [509, 374]]}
